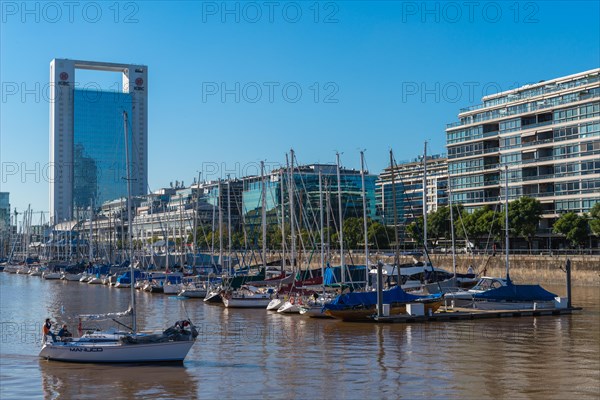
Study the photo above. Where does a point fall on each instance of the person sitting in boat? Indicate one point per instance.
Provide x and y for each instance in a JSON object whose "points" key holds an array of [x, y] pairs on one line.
{"points": [[47, 329], [470, 270], [64, 332], [182, 324]]}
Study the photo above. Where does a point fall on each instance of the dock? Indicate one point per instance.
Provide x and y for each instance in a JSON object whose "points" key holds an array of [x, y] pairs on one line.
{"points": [[462, 314]]}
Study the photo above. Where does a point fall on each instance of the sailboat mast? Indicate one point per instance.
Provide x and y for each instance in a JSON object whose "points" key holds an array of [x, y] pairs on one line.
{"points": [[264, 213], [452, 226], [425, 197], [340, 215], [506, 239], [364, 201], [321, 230], [220, 204], [395, 211], [91, 250], [229, 242], [292, 210], [281, 189], [129, 230]]}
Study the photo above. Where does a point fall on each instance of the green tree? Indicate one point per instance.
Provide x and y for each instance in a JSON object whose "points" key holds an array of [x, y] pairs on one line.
{"points": [[415, 231], [439, 225], [573, 226], [379, 235], [524, 217], [481, 224], [595, 219]]}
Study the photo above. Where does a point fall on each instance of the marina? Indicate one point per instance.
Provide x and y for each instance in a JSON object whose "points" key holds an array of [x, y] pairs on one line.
{"points": [[246, 353]]}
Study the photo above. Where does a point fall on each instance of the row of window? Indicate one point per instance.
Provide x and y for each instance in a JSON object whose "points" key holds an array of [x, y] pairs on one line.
{"points": [[575, 205], [463, 135], [582, 112], [465, 166], [464, 150]]}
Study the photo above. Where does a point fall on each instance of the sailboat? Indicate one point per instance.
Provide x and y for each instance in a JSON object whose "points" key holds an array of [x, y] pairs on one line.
{"points": [[171, 345], [510, 296]]}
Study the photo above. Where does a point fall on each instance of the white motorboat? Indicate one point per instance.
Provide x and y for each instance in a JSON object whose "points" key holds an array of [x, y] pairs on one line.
{"points": [[95, 280], [72, 277], [172, 288], [51, 275], [246, 297], [274, 304], [292, 306]]}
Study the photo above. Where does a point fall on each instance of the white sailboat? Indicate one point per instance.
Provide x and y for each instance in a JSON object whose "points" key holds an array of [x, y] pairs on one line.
{"points": [[171, 345]]}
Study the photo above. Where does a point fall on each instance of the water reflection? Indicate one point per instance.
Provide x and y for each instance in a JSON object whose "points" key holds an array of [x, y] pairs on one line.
{"points": [[70, 381]]}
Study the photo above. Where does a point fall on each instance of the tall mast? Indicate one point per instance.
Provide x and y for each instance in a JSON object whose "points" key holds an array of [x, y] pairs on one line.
{"points": [[452, 226], [196, 225], [364, 201], [425, 197], [395, 211], [281, 189], [91, 250], [506, 239], [321, 223], [264, 213], [129, 230], [292, 210], [229, 242], [340, 215], [220, 203]]}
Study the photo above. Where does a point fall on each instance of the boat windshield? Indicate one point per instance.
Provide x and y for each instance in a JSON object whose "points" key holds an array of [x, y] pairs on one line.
{"points": [[487, 284]]}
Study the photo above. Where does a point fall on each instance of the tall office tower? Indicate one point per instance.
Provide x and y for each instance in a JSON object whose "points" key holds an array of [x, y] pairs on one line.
{"points": [[87, 139]]}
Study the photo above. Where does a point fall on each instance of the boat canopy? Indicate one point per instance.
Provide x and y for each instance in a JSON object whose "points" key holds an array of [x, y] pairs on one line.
{"points": [[393, 295], [512, 292]]}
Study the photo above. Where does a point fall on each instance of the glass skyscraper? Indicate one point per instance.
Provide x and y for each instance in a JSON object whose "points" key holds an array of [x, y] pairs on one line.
{"points": [[87, 142], [99, 159]]}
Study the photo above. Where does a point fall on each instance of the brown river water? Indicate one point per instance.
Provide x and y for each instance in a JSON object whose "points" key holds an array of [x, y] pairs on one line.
{"points": [[257, 354]]}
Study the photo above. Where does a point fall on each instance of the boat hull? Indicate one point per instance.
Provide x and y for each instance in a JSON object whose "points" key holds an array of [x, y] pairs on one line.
{"points": [[116, 352], [246, 302], [516, 305], [365, 314]]}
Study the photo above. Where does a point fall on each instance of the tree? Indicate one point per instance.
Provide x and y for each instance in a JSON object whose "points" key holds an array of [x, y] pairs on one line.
{"points": [[573, 226], [379, 235], [524, 217], [595, 219], [484, 223], [439, 224], [415, 230]]}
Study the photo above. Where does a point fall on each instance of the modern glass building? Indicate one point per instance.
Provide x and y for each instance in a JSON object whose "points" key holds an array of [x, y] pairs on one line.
{"points": [[305, 185], [87, 152], [408, 189], [4, 223], [548, 134], [99, 165]]}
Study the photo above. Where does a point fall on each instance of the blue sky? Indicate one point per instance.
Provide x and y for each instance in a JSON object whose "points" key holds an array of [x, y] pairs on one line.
{"points": [[333, 76]]}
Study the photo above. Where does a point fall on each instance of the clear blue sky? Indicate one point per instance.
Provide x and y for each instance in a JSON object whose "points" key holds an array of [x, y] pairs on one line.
{"points": [[389, 75]]}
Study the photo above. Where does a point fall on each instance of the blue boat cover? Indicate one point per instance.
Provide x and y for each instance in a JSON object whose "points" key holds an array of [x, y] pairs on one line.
{"points": [[512, 292], [367, 299]]}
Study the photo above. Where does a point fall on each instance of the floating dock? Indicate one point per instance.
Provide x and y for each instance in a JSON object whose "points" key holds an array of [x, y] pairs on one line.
{"points": [[462, 314]]}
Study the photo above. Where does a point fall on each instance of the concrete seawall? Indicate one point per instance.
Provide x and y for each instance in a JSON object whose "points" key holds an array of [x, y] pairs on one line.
{"points": [[523, 268]]}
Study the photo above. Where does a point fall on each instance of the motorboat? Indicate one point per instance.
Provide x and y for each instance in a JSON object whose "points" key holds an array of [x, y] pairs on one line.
{"points": [[246, 297]]}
